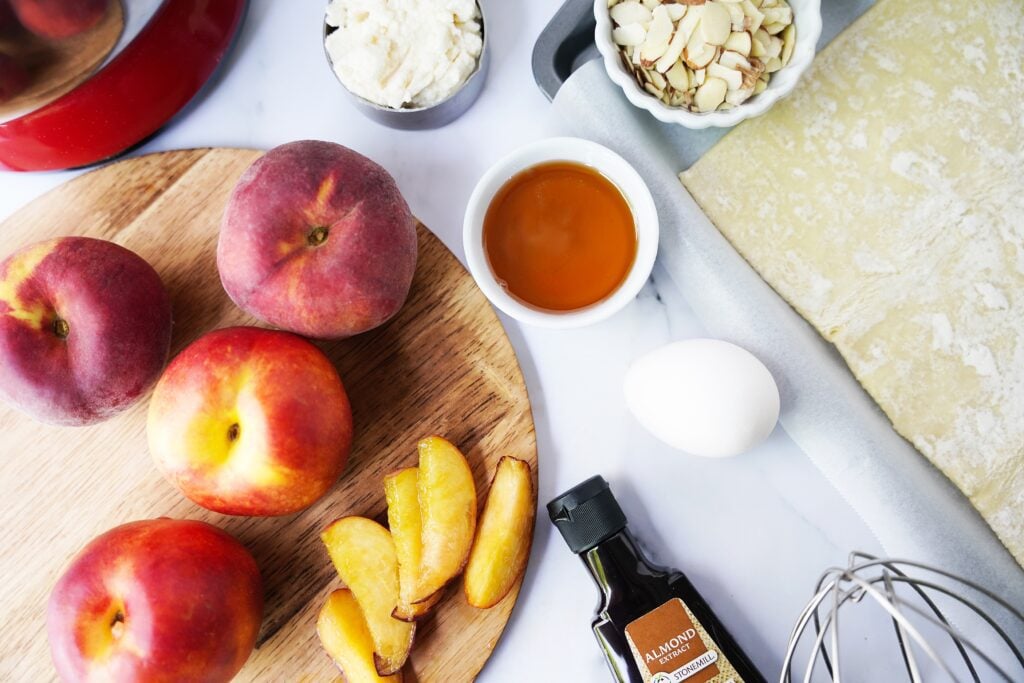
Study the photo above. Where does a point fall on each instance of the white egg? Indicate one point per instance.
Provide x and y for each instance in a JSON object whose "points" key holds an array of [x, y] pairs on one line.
{"points": [[704, 396]]}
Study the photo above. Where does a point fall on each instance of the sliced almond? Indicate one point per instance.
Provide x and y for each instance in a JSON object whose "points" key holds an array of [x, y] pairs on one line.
{"points": [[673, 53], [659, 34], [678, 76], [778, 15], [733, 78], [788, 43], [754, 16], [761, 36], [698, 77], [656, 79], [698, 52], [738, 41], [736, 15], [774, 47], [710, 95], [676, 11], [638, 77], [688, 24], [772, 65], [760, 86], [653, 89], [738, 97], [715, 23], [630, 34], [651, 4], [756, 48], [630, 12], [699, 60], [679, 99], [696, 42], [733, 60]]}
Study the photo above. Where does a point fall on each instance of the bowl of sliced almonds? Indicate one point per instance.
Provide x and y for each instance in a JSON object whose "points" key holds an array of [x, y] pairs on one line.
{"points": [[702, 63]]}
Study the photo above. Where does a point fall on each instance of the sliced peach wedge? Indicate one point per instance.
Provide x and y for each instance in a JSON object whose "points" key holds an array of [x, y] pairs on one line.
{"points": [[402, 493], [503, 540], [346, 637], [447, 500], [364, 555]]}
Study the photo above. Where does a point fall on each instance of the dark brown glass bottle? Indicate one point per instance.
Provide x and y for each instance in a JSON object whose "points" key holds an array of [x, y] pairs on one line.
{"points": [[652, 624]]}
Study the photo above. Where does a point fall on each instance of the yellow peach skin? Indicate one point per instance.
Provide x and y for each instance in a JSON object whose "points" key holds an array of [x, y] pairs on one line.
{"points": [[247, 421]]}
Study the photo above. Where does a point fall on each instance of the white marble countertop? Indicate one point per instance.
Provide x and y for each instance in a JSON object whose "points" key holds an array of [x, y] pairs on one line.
{"points": [[753, 532]]}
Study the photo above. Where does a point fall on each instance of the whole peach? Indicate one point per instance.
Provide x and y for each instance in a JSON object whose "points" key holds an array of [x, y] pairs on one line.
{"points": [[317, 239], [247, 421], [59, 18], [85, 328], [156, 601]]}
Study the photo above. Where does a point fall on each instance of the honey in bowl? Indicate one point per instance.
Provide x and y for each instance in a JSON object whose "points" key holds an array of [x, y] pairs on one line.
{"points": [[559, 236]]}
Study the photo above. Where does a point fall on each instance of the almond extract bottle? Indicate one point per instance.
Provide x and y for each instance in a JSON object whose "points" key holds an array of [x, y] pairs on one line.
{"points": [[652, 624]]}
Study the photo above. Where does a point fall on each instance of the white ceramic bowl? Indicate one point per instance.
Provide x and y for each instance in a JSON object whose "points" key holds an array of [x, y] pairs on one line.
{"points": [[806, 16], [611, 166]]}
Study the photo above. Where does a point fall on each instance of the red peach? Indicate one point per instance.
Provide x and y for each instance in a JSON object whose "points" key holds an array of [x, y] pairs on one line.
{"points": [[247, 421], [156, 601], [85, 328], [317, 239]]}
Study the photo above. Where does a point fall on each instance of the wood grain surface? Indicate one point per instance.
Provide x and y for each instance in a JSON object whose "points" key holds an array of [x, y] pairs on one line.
{"points": [[443, 365], [57, 66]]}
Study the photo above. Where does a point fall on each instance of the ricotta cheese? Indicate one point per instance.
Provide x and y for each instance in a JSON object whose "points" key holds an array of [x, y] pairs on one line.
{"points": [[404, 53]]}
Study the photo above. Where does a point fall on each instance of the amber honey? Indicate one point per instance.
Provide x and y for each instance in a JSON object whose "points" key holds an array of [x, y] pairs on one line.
{"points": [[559, 236]]}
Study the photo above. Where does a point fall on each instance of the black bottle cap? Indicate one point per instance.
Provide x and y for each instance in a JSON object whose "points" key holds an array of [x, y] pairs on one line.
{"points": [[587, 514]]}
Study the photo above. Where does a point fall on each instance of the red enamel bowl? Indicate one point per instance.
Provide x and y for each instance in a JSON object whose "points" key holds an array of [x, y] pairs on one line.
{"points": [[131, 97]]}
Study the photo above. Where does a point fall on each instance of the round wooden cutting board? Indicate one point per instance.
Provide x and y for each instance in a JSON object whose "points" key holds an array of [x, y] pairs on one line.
{"points": [[443, 366]]}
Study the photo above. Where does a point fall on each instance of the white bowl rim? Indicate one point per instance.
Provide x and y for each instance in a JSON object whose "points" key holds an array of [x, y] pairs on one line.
{"points": [[611, 166], [803, 54]]}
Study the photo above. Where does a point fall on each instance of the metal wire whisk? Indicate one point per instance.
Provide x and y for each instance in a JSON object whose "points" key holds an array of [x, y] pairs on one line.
{"points": [[908, 600]]}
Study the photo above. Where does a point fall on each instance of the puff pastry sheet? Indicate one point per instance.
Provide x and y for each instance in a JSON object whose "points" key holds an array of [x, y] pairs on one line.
{"points": [[884, 200]]}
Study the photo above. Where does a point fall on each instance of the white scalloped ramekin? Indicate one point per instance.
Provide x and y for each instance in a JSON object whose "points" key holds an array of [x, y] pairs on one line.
{"points": [[806, 16]]}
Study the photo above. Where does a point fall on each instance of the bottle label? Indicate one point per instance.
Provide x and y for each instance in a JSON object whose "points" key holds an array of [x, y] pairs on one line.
{"points": [[670, 645]]}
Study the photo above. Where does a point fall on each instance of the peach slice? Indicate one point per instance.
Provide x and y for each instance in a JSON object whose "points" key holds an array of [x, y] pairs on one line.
{"points": [[503, 540], [346, 637], [364, 555], [400, 489], [447, 498]]}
